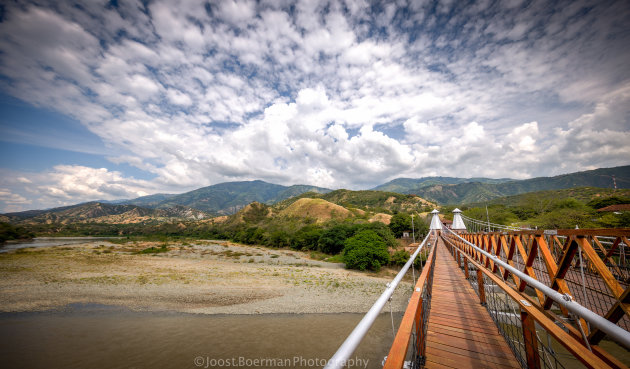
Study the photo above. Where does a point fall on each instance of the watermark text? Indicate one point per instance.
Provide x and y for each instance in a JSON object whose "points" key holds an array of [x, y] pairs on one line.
{"points": [[296, 361]]}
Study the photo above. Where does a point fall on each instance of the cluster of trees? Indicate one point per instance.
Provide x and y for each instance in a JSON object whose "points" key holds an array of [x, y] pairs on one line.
{"points": [[10, 232], [362, 245], [554, 213]]}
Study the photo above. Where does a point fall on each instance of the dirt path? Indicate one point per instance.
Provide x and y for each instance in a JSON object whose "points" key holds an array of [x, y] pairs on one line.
{"points": [[203, 277]]}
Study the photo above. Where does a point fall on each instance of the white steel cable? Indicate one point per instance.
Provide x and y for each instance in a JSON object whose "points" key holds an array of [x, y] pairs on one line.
{"points": [[347, 348]]}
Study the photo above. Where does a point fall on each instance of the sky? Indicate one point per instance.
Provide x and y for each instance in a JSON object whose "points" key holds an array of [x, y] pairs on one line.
{"points": [[103, 100]]}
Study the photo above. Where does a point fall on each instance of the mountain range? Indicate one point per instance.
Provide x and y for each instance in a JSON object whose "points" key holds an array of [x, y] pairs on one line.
{"points": [[227, 198], [445, 190], [99, 212]]}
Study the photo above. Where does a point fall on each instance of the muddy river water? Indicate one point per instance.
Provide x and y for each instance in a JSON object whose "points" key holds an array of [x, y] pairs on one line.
{"points": [[95, 336]]}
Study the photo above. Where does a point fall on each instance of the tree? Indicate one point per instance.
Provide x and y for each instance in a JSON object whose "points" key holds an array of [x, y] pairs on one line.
{"points": [[399, 258], [365, 250], [400, 223], [332, 240], [382, 230], [599, 203], [306, 238]]}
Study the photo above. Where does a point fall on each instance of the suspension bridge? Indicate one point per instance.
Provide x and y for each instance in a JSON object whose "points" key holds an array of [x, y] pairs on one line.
{"points": [[495, 296]]}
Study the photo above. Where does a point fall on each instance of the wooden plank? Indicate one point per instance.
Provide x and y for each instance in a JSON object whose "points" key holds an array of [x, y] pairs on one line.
{"points": [[530, 340], [466, 354], [451, 360], [461, 333]]}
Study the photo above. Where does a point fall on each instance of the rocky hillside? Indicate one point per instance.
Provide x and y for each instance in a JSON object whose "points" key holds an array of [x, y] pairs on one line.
{"points": [[370, 201], [318, 209], [97, 212]]}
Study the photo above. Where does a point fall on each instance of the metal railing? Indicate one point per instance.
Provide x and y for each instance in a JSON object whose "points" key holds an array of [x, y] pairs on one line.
{"points": [[413, 326], [517, 315], [347, 348], [587, 264]]}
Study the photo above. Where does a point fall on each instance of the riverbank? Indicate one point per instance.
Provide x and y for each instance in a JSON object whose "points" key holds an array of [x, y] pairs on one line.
{"points": [[205, 277]]}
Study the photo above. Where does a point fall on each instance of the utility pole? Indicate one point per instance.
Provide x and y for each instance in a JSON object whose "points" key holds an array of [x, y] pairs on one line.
{"points": [[413, 230], [488, 217]]}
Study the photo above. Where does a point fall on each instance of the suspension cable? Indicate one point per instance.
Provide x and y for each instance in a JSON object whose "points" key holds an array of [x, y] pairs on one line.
{"points": [[340, 358], [481, 224]]}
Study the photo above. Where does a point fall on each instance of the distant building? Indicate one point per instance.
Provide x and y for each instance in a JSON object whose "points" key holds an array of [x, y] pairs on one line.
{"points": [[447, 223], [617, 209]]}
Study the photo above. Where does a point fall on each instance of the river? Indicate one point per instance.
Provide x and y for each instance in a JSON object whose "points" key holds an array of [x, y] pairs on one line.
{"points": [[96, 336], [49, 242]]}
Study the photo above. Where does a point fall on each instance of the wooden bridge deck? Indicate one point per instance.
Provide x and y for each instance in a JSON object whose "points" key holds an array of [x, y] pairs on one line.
{"points": [[461, 334]]}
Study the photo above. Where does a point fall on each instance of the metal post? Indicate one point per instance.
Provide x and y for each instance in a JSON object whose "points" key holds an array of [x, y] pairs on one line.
{"points": [[488, 217]]}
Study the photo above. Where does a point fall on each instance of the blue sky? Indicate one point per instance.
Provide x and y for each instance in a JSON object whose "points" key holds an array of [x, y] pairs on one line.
{"points": [[108, 100]]}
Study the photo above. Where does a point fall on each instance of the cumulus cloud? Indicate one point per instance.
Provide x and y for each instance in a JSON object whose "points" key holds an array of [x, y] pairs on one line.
{"points": [[338, 94], [68, 184]]}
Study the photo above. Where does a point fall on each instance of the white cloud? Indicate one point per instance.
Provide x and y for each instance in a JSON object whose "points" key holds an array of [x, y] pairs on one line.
{"points": [[245, 90], [9, 198]]}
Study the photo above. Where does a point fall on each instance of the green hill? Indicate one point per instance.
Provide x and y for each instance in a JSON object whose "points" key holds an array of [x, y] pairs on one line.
{"points": [[472, 192], [581, 194], [148, 201], [553, 209], [411, 185], [228, 198], [367, 200]]}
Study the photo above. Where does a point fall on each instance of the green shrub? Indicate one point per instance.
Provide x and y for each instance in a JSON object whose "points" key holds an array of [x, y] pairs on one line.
{"points": [[400, 223], [607, 201], [332, 240], [365, 250], [399, 258], [307, 238], [11, 232], [279, 238], [154, 250], [382, 230]]}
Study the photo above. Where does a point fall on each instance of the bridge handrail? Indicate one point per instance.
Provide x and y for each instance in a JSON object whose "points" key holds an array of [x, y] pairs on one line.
{"points": [[347, 348], [416, 313], [529, 312], [615, 332]]}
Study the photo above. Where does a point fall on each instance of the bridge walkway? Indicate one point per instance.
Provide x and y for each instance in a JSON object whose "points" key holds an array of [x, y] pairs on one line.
{"points": [[461, 334]]}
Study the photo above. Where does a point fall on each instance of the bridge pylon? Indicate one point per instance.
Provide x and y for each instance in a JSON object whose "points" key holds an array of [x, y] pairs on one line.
{"points": [[436, 223]]}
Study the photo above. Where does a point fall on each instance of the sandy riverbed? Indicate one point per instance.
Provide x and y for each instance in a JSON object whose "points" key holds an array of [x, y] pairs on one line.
{"points": [[201, 277]]}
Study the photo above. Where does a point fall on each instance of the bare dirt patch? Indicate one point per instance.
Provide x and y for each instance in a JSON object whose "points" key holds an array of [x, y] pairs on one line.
{"points": [[197, 276]]}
